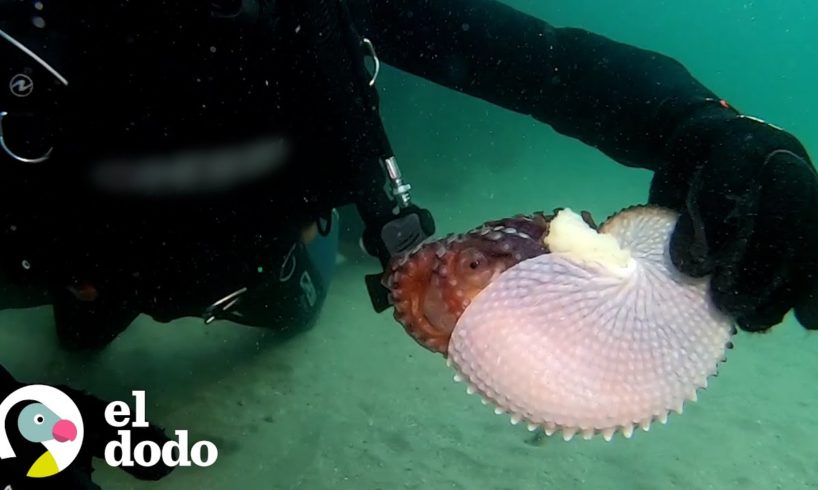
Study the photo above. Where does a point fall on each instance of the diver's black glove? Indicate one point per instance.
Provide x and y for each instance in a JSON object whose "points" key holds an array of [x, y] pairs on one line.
{"points": [[748, 197]]}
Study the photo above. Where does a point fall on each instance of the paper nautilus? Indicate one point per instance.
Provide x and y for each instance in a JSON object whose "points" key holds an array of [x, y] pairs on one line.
{"points": [[564, 325]]}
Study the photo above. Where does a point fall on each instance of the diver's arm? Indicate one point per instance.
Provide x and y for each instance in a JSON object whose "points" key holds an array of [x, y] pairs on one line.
{"points": [[743, 188], [621, 99]]}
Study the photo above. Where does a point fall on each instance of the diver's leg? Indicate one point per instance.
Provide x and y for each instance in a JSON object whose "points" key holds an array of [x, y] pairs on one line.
{"points": [[290, 298], [91, 324], [80, 324]]}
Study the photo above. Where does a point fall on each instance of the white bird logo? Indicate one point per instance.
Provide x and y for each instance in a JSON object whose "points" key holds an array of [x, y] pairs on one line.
{"points": [[51, 419]]}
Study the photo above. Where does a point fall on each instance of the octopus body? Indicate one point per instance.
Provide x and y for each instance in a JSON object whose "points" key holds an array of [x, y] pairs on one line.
{"points": [[590, 330], [432, 285]]}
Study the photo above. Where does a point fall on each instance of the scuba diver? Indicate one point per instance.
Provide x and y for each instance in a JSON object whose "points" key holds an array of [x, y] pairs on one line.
{"points": [[184, 158]]}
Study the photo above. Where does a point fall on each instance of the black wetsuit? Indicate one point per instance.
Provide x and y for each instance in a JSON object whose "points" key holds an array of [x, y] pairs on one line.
{"points": [[152, 77]]}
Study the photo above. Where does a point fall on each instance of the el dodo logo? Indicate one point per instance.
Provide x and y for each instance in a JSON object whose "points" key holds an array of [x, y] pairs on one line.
{"points": [[48, 421], [148, 453], [49, 424]]}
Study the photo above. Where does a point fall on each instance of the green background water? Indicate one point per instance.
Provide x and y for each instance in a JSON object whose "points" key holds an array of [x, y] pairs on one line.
{"points": [[759, 55], [354, 403]]}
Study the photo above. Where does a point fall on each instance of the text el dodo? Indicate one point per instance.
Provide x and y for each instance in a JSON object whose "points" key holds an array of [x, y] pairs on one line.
{"points": [[149, 453]]}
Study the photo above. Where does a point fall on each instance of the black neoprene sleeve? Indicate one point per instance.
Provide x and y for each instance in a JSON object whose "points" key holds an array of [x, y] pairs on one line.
{"points": [[625, 101]]}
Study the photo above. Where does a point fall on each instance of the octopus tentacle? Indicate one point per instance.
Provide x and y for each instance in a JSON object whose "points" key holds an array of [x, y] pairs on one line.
{"points": [[408, 277], [432, 285]]}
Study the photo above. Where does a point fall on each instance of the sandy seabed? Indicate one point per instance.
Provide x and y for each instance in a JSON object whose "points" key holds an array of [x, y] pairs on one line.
{"points": [[354, 403]]}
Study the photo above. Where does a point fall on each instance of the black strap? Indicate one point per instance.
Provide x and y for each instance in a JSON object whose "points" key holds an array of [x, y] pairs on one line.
{"points": [[392, 227]]}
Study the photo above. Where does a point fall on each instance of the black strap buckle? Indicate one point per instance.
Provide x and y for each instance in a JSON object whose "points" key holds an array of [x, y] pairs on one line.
{"points": [[408, 229]]}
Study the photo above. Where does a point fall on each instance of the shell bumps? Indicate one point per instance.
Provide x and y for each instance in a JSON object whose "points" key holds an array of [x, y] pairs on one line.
{"points": [[577, 346]]}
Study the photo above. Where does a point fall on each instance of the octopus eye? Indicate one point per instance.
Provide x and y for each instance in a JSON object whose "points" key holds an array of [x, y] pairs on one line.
{"points": [[472, 260]]}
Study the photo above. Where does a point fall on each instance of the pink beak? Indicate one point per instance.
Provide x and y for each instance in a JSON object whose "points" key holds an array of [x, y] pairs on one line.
{"points": [[64, 431]]}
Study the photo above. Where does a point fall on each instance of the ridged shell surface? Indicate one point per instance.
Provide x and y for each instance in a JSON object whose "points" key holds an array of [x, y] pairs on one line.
{"points": [[584, 347]]}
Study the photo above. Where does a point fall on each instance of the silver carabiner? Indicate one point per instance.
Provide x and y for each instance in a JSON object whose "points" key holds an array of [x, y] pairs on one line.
{"points": [[374, 55], [31, 54], [15, 156], [212, 311]]}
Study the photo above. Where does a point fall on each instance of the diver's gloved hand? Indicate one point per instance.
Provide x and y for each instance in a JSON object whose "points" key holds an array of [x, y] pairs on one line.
{"points": [[748, 195]]}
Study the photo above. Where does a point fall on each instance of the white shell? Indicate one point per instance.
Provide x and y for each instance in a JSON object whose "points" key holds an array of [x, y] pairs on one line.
{"points": [[578, 346]]}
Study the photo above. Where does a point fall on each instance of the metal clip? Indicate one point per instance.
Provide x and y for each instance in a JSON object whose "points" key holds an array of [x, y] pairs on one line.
{"points": [[374, 55], [760, 121], [31, 54], [212, 312], [400, 189], [15, 156]]}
